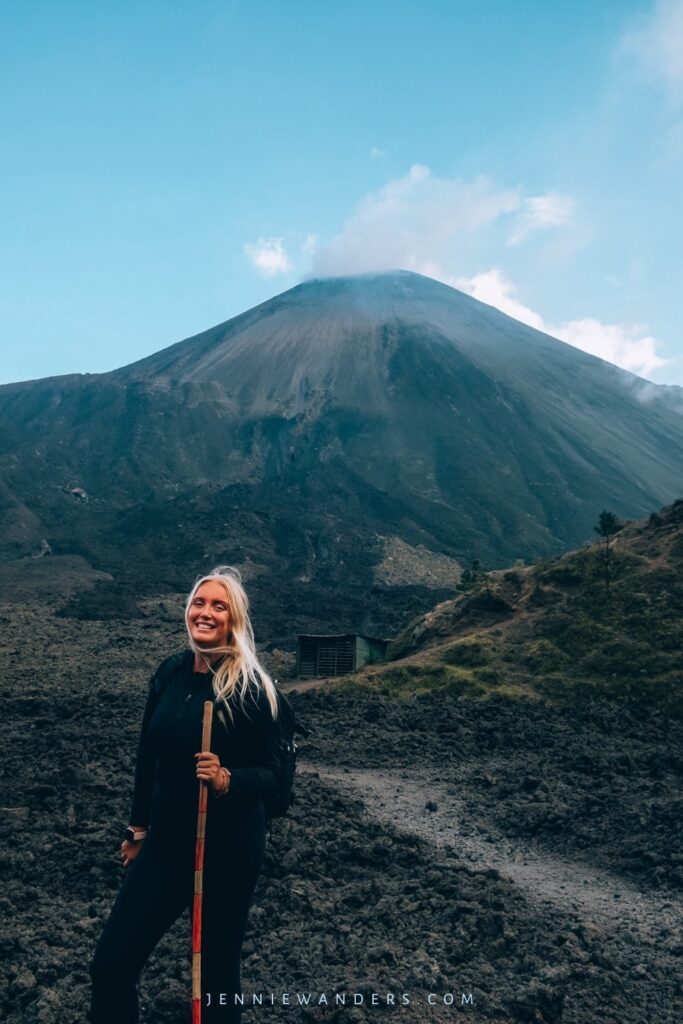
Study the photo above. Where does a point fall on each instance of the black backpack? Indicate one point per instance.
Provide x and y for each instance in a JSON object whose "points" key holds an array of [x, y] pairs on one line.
{"points": [[286, 727]]}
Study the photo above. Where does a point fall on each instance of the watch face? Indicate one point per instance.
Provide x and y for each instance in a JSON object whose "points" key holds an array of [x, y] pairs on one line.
{"points": [[130, 835]]}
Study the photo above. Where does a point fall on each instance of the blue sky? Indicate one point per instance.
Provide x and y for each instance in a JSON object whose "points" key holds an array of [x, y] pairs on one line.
{"points": [[167, 165]]}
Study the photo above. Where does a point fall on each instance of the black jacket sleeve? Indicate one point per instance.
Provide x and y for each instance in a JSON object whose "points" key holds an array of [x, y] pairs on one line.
{"points": [[262, 780], [144, 766]]}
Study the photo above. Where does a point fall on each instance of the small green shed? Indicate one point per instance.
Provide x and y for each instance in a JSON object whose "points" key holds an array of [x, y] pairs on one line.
{"points": [[337, 654]]}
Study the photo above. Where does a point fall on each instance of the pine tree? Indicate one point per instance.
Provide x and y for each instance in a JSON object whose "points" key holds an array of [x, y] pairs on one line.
{"points": [[608, 525]]}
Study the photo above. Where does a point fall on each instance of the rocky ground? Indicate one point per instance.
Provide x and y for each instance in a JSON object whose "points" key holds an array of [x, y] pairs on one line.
{"points": [[521, 856]]}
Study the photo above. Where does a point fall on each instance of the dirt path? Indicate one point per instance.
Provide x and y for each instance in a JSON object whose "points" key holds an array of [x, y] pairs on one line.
{"points": [[593, 896]]}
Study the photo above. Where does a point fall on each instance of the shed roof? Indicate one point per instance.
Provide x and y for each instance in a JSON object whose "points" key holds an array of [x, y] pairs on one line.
{"points": [[342, 636]]}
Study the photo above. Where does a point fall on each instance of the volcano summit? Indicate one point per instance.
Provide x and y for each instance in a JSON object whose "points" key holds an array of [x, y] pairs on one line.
{"points": [[348, 435]]}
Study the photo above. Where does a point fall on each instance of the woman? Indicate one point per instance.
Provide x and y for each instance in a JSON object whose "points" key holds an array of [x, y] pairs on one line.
{"points": [[242, 770]]}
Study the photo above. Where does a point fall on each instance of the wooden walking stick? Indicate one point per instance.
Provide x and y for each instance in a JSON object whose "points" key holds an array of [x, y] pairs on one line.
{"points": [[199, 877]]}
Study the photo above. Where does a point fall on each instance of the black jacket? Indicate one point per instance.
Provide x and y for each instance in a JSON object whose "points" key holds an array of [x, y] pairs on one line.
{"points": [[171, 736]]}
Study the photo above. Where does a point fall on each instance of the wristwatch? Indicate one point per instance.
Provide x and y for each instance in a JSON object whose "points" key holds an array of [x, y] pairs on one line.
{"points": [[134, 837]]}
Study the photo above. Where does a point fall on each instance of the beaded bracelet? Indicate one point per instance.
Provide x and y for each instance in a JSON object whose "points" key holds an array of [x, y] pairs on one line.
{"points": [[226, 772]]}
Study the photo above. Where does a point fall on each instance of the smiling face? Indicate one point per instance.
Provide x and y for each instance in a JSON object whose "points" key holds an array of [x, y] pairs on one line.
{"points": [[208, 617]]}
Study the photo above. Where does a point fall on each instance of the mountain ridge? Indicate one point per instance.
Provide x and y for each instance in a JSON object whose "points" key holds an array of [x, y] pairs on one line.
{"points": [[384, 405]]}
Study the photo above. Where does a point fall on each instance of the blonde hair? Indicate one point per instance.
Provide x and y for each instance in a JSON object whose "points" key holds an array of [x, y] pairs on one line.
{"points": [[240, 667]]}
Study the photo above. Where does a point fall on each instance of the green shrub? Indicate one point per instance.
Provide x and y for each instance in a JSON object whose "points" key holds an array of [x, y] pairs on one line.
{"points": [[471, 653], [565, 575], [544, 656], [625, 658], [488, 675]]}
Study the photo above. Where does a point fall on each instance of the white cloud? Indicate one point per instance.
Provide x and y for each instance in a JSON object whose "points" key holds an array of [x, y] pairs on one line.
{"points": [[417, 221], [269, 256], [553, 210], [656, 42], [411, 221], [627, 346], [309, 245], [495, 289], [672, 394]]}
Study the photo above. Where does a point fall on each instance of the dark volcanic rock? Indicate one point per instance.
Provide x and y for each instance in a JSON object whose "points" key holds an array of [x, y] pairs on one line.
{"points": [[347, 902]]}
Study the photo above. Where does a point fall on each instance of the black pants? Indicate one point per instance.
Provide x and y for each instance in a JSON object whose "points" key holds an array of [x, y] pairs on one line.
{"points": [[156, 889]]}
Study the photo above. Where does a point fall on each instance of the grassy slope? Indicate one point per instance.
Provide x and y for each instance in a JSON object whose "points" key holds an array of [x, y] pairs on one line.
{"points": [[550, 630]]}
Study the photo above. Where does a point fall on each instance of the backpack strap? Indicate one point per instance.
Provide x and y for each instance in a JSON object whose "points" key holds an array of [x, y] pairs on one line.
{"points": [[167, 670]]}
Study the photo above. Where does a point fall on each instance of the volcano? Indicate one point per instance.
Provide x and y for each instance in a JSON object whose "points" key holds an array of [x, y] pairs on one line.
{"points": [[350, 442]]}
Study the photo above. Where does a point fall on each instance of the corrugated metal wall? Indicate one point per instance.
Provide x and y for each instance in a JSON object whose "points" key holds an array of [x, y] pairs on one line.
{"points": [[326, 656]]}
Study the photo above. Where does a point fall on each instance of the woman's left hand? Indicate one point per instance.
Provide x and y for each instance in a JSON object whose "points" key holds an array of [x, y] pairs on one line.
{"points": [[209, 770]]}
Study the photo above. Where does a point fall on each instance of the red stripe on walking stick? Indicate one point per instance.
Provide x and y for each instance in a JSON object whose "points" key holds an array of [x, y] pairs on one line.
{"points": [[197, 924], [199, 877]]}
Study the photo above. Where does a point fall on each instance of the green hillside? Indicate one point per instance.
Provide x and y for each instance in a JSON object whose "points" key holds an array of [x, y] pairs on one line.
{"points": [[562, 629]]}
